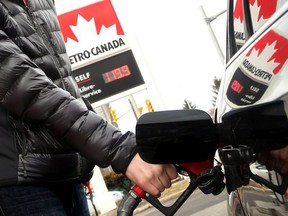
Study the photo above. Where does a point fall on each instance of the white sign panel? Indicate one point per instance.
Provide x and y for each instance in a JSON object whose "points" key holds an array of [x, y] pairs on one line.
{"points": [[91, 31]]}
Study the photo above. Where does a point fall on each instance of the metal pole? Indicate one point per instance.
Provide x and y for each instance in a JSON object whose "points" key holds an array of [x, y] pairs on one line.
{"points": [[215, 41], [134, 107]]}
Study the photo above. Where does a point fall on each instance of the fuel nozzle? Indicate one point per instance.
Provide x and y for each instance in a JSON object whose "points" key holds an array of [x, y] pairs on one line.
{"points": [[209, 178], [211, 181], [236, 161], [130, 201]]}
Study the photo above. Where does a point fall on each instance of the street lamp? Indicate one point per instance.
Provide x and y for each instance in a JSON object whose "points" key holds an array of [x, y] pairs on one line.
{"points": [[208, 20]]}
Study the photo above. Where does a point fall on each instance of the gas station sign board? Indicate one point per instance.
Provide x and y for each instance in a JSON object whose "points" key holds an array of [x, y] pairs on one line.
{"points": [[108, 77]]}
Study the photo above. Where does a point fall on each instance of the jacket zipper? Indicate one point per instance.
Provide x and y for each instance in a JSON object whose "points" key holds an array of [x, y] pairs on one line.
{"points": [[46, 36]]}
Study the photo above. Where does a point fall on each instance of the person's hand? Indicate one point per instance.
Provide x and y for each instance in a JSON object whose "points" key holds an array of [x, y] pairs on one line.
{"points": [[276, 160], [152, 178]]}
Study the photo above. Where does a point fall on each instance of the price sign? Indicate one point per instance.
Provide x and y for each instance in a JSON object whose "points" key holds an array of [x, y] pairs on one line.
{"points": [[108, 77]]}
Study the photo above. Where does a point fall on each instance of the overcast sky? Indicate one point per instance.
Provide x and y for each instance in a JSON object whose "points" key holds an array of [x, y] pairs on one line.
{"points": [[172, 43]]}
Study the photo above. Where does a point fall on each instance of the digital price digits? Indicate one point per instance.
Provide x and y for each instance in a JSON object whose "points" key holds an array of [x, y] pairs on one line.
{"points": [[116, 74]]}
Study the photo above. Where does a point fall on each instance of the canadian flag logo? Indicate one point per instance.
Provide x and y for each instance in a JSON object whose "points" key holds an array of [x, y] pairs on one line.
{"points": [[92, 32]]}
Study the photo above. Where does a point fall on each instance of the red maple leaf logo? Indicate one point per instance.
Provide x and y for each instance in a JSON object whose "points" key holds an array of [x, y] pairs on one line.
{"points": [[102, 12], [267, 8], [281, 46]]}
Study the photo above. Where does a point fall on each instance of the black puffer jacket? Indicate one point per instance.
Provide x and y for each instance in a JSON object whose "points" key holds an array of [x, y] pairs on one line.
{"points": [[43, 120]]}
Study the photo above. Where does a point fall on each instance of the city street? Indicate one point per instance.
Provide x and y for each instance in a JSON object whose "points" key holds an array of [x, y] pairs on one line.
{"points": [[198, 204]]}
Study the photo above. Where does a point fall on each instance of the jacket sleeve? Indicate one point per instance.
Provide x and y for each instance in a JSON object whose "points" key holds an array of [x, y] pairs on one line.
{"points": [[31, 96]]}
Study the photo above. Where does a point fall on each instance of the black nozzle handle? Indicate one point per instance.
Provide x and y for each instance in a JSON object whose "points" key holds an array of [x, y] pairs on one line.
{"points": [[128, 204], [171, 210]]}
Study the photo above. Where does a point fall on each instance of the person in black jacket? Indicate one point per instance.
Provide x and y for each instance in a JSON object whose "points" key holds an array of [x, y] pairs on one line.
{"points": [[49, 140]]}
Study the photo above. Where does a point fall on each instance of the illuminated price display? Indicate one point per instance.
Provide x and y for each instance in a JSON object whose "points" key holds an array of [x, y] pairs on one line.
{"points": [[108, 77], [116, 74]]}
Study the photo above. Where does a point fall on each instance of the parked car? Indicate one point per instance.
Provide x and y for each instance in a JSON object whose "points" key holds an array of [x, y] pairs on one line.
{"points": [[256, 199]]}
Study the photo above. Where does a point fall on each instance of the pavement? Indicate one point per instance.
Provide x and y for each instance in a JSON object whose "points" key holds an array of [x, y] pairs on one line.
{"points": [[145, 205]]}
